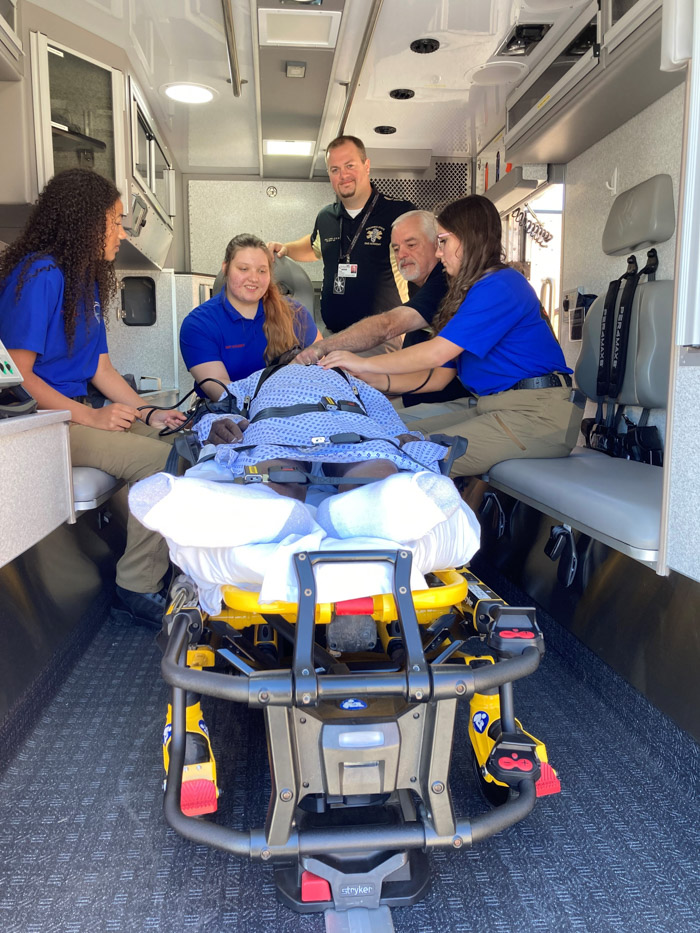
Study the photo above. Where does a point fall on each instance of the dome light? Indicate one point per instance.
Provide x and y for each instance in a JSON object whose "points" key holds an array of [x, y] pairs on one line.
{"points": [[187, 93]]}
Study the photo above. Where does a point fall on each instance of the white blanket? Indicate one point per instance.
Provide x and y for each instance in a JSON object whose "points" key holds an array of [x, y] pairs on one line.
{"points": [[223, 533]]}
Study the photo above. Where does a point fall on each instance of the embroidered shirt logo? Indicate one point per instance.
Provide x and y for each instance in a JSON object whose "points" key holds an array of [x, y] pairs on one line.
{"points": [[374, 235]]}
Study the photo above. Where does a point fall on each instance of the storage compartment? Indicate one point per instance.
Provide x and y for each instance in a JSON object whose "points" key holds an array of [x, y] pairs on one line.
{"points": [[138, 301], [594, 96], [78, 106]]}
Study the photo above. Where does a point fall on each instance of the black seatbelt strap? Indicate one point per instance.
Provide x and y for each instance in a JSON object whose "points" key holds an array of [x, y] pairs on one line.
{"points": [[618, 361]]}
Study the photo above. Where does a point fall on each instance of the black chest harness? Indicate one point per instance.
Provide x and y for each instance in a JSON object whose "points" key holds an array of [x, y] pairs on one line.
{"points": [[639, 441]]}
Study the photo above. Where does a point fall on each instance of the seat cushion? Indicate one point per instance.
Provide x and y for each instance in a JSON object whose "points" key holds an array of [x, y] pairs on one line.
{"points": [[89, 483], [617, 498]]}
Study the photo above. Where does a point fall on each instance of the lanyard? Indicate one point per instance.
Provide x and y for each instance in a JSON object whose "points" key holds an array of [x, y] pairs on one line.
{"points": [[359, 230]]}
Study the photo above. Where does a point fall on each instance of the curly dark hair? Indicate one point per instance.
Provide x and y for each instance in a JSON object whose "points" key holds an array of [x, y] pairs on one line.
{"points": [[68, 224], [476, 223]]}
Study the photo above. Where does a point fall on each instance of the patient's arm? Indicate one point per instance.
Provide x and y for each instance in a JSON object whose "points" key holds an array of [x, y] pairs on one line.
{"points": [[226, 431]]}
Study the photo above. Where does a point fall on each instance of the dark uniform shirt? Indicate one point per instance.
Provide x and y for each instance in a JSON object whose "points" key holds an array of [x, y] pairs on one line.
{"points": [[378, 285]]}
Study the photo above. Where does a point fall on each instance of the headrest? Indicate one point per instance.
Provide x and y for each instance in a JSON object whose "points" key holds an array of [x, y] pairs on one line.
{"points": [[640, 217], [291, 278]]}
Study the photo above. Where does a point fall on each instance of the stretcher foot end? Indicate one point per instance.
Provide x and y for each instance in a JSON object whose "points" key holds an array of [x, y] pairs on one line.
{"points": [[198, 796], [548, 782], [314, 888]]}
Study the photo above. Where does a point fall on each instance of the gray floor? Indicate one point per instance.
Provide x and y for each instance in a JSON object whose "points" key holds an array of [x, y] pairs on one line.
{"points": [[84, 847]]}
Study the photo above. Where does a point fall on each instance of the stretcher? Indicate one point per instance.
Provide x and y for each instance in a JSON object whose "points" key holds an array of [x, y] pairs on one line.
{"points": [[360, 701]]}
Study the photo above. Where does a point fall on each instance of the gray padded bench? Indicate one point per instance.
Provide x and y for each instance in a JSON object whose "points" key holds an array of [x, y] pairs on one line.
{"points": [[615, 501], [92, 487]]}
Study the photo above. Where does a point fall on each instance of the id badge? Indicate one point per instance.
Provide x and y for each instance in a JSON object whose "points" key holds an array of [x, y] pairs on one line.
{"points": [[338, 285], [347, 270]]}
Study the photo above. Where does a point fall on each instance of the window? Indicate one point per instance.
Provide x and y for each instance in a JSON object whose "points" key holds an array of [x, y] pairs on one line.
{"points": [[151, 164]]}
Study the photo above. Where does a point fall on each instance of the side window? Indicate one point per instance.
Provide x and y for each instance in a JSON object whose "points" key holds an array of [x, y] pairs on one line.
{"points": [[138, 301]]}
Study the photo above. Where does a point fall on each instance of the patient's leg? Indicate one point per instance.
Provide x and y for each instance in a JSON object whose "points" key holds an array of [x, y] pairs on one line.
{"points": [[376, 469], [291, 490]]}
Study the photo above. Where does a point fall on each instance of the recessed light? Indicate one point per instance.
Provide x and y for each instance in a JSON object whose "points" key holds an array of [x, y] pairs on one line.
{"points": [[189, 93], [402, 93], [385, 130], [294, 147]]}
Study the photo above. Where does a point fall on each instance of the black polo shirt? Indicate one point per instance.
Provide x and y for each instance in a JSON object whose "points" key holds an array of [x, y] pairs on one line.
{"points": [[426, 299], [378, 286]]}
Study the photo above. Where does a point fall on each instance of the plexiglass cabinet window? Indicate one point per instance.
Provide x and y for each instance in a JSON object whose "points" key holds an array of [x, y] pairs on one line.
{"points": [[76, 104], [151, 166]]}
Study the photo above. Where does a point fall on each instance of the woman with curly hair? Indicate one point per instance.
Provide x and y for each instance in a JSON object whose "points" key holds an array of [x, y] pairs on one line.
{"points": [[248, 325], [56, 280], [504, 353]]}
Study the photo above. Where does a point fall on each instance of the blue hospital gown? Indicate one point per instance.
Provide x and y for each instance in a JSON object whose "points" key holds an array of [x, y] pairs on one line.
{"points": [[306, 436]]}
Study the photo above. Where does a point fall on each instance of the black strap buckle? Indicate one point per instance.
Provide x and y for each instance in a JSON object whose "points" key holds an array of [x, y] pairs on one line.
{"points": [[329, 404]]}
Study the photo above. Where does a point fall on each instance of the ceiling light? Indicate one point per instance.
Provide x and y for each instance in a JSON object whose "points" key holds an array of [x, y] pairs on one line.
{"points": [[300, 28], [294, 147], [187, 93], [385, 130]]}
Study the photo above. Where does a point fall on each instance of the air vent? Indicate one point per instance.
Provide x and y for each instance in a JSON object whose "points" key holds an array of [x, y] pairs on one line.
{"points": [[523, 39], [402, 93], [385, 130], [424, 46]]}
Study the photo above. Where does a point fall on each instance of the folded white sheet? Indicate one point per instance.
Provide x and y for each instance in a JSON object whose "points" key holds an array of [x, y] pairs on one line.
{"points": [[410, 504], [221, 533]]}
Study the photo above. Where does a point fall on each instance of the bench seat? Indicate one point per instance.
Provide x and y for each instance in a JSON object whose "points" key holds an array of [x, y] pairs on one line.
{"points": [[614, 501], [92, 487]]}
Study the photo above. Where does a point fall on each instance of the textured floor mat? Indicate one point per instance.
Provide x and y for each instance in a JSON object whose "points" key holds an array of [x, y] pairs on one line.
{"points": [[84, 846]]}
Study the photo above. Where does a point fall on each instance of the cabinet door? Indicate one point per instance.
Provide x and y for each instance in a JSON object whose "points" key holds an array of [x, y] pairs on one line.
{"points": [[79, 107]]}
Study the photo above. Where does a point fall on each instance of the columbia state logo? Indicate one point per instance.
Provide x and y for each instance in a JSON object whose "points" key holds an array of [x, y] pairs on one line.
{"points": [[374, 235]]}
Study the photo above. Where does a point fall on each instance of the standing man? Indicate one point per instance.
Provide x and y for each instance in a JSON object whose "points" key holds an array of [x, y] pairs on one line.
{"points": [[360, 276], [413, 243]]}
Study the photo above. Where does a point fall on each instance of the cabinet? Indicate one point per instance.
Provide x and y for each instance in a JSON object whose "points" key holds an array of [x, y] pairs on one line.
{"points": [[596, 78], [78, 112], [11, 53], [35, 474]]}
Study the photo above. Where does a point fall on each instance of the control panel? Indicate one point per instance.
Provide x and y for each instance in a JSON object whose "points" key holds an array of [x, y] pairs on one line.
{"points": [[9, 374]]}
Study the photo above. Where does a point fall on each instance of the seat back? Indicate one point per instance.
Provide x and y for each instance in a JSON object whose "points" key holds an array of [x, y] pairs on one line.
{"points": [[640, 218], [291, 279]]}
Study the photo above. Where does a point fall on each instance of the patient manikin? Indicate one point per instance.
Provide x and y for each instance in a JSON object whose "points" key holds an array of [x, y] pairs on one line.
{"points": [[353, 431], [221, 530]]}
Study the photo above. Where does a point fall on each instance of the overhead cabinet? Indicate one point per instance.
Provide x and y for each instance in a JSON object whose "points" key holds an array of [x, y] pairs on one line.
{"points": [[78, 108], [593, 80]]}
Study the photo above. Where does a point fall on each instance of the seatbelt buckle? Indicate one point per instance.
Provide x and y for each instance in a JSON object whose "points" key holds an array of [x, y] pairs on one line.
{"points": [[251, 474], [329, 404]]}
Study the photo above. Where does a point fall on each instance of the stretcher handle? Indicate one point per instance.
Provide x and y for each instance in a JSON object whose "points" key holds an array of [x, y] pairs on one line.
{"points": [[417, 670]]}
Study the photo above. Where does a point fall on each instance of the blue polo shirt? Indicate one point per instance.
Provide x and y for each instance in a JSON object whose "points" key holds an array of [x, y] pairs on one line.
{"points": [[503, 335], [217, 331], [35, 322]]}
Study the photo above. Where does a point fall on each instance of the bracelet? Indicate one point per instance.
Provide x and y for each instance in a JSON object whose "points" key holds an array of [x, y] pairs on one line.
{"points": [[424, 382], [388, 384]]}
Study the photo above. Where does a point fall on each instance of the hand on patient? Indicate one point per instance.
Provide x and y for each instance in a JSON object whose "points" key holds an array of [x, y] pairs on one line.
{"points": [[226, 431], [310, 355], [357, 365]]}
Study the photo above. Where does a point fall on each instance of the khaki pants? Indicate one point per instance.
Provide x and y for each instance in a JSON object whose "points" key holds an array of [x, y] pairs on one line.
{"points": [[129, 455], [510, 425]]}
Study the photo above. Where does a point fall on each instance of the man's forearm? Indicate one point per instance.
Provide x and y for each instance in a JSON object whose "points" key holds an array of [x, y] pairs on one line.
{"points": [[371, 331]]}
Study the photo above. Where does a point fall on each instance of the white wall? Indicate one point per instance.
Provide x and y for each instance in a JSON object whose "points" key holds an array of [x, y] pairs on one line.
{"points": [[219, 210]]}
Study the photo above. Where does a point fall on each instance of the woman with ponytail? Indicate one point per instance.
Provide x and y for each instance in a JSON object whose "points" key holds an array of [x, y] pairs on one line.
{"points": [[248, 325], [504, 353]]}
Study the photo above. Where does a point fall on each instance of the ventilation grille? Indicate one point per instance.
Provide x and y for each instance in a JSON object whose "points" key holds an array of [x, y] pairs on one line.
{"points": [[451, 181]]}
